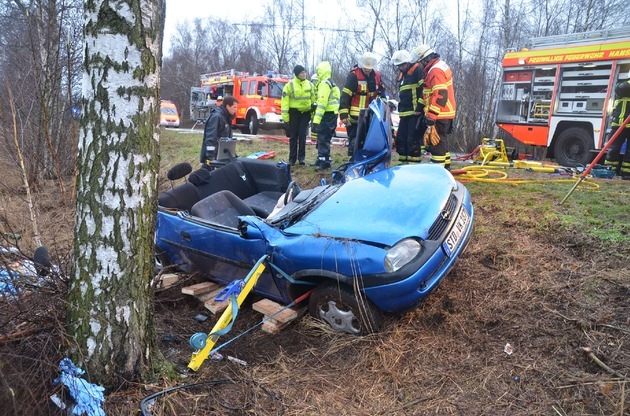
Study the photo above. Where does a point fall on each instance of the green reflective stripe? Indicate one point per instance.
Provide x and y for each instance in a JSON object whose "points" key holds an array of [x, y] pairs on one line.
{"points": [[347, 91], [623, 113], [407, 113]]}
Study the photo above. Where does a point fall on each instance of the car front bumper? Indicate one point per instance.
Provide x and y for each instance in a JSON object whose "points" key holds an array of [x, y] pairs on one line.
{"points": [[409, 292]]}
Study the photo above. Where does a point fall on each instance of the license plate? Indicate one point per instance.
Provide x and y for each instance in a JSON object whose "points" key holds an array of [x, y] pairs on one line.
{"points": [[457, 232]]}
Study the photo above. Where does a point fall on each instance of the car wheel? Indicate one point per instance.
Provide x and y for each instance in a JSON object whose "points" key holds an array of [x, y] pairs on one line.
{"points": [[573, 147], [337, 305], [252, 123]]}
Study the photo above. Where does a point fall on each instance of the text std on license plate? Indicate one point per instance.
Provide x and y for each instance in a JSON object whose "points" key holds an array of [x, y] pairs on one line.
{"points": [[457, 232]]}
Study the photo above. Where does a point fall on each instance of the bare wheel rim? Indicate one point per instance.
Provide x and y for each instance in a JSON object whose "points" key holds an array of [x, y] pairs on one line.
{"points": [[339, 319]]}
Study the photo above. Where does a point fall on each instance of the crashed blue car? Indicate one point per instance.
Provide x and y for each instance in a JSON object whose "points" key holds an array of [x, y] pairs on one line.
{"points": [[377, 240]]}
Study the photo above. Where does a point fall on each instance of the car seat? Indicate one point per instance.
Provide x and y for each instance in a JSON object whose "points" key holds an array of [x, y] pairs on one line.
{"points": [[221, 208]]}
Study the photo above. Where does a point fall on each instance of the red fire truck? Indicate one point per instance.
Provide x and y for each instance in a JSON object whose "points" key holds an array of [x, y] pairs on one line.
{"points": [[559, 94], [258, 98]]}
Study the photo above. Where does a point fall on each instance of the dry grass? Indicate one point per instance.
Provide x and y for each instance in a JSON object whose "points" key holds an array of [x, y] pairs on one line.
{"points": [[548, 291]]}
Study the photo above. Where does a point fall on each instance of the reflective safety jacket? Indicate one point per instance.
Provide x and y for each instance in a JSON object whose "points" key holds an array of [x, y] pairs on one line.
{"points": [[438, 92], [298, 94], [410, 91], [327, 92], [621, 107], [359, 91]]}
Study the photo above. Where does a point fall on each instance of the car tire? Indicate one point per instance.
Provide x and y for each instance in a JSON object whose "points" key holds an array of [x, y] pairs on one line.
{"points": [[573, 147], [338, 306], [252, 123]]}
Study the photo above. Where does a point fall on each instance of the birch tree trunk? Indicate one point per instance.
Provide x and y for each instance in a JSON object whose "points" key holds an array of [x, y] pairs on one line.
{"points": [[110, 300]]}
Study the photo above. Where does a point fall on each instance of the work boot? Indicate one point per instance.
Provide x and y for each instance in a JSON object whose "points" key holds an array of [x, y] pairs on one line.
{"points": [[322, 166], [316, 163]]}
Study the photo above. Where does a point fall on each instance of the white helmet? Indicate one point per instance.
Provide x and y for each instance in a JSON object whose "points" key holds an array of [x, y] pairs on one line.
{"points": [[421, 52], [314, 77], [401, 57], [368, 61]]}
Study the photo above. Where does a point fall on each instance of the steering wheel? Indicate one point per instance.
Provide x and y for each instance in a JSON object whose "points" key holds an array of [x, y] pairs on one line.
{"points": [[292, 190]]}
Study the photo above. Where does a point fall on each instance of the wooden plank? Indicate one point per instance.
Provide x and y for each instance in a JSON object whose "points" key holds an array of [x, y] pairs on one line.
{"points": [[214, 306], [269, 307], [273, 328], [169, 279], [199, 288]]}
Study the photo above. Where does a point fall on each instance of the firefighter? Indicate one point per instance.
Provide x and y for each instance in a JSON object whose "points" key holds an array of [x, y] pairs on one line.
{"points": [[410, 107], [439, 103], [218, 125], [314, 105], [297, 97], [621, 110], [325, 119], [363, 84]]}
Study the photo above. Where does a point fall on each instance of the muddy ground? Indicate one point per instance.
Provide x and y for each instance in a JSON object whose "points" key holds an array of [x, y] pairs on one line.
{"points": [[547, 291]]}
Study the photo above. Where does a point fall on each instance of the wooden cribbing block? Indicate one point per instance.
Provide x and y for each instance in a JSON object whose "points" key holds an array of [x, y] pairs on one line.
{"points": [[269, 307], [272, 327], [212, 305], [199, 288], [169, 279]]}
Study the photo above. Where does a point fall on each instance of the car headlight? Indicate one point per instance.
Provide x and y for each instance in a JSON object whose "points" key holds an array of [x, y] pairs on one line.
{"points": [[401, 253]]}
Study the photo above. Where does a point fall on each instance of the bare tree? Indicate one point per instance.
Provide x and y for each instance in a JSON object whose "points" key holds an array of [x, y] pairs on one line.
{"points": [[39, 59], [282, 19], [110, 299]]}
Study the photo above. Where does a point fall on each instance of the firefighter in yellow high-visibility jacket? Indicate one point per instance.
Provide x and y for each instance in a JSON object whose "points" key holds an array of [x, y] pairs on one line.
{"points": [[297, 97]]}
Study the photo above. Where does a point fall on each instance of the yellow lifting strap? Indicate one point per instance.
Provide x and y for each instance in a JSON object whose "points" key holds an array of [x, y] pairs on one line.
{"points": [[199, 356]]}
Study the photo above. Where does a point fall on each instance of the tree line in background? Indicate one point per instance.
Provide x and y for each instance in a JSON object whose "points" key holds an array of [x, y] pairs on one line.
{"points": [[41, 55], [471, 37]]}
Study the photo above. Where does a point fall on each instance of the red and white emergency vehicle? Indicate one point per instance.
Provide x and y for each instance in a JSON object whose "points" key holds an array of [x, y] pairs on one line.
{"points": [[559, 94], [259, 98]]}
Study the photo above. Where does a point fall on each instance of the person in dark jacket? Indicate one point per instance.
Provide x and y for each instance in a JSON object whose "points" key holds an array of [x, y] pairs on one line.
{"points": [[410, 107], [218, 125]]}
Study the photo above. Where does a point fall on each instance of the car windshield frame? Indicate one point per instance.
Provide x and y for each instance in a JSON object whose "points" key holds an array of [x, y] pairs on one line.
{"points": [[295, 211]]}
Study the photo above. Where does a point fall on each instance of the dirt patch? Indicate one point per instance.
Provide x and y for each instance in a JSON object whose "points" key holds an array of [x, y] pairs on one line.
{"points": [[547, 294]]}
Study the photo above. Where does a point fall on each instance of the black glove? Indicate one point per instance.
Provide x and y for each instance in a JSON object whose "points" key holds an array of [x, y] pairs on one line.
{"points": [[315, 128], [313, 107], [420, 124]]}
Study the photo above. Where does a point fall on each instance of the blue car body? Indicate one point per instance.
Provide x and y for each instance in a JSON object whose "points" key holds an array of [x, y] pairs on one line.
{"points": [[339, 233]]}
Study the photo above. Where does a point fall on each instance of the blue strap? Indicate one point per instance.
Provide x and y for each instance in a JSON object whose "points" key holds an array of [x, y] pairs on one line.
{"points": [[289, 278]]}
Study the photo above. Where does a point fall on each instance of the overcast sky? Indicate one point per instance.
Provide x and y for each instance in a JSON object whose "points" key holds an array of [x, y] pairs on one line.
{"points": [[178, 11]]}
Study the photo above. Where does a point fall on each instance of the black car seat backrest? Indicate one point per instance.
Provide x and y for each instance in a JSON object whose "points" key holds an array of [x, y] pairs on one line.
{"points": [[183, 196], [231, 177], [266, 176], [221, 208]]}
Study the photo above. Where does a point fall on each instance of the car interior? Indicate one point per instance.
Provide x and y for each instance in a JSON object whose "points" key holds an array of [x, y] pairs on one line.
{"points": [[257, 183]]}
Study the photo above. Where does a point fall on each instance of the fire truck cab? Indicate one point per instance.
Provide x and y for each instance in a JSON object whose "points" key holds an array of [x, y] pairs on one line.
{"points": [[259, 98], [559, 94]]}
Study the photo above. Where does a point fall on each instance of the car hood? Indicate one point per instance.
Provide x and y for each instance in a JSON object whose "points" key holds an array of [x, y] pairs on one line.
{"points": [[383, 207]]}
